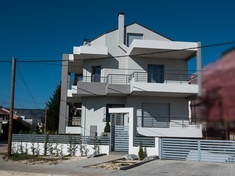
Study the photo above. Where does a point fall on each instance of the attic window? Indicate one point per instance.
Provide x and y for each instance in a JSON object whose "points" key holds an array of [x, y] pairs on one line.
{"points": [[131, 37]]}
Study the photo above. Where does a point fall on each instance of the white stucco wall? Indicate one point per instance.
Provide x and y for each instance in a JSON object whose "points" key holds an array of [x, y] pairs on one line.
{"points": [[147, 150], [148, 34], [94, 111], [187, 132]]}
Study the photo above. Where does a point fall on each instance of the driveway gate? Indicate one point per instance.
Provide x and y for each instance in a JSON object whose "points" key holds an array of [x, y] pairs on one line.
{"points": [[197, 150]]}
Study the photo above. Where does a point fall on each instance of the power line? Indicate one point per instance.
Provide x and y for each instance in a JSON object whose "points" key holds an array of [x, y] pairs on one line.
{"points": [[141, 54], [5, 61], [21, 100], [27, 88]]}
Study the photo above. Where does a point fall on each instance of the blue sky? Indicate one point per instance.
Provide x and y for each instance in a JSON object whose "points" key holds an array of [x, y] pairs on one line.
{"points": [[44, 30]]}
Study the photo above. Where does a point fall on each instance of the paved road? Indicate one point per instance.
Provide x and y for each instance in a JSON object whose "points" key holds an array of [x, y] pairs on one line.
{"points": [[157, 167]]}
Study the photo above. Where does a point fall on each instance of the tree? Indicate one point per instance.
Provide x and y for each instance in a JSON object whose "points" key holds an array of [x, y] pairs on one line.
{"points": [[53, 111]]}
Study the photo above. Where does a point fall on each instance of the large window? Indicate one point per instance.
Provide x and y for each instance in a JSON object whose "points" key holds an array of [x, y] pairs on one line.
{"points": [[95, 75], [155, 73], [131, 37], [155, 115]]}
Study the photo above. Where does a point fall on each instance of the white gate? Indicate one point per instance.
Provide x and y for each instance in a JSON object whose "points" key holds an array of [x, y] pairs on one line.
{"points": [[119, 133]]}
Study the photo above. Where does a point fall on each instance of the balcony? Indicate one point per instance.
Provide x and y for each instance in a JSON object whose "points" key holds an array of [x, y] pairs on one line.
{"points": [[74, 125], [90, 52], [138, 83], [168, 127], [163, 84], [162, 49]]}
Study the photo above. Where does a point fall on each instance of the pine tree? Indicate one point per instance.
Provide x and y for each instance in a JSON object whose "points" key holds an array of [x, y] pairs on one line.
{"points": [[141, 152], [53, 111]]}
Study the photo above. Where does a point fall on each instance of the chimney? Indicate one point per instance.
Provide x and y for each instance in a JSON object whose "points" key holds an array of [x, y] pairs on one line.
{"points": [[121, 27], [85, 40]]}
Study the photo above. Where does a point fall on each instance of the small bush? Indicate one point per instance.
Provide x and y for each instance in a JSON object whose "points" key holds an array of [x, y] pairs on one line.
{"points": [[107, 128], [141, 152]]}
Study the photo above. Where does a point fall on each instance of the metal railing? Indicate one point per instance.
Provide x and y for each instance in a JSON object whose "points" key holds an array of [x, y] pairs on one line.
{"points": [[145, 77], [164, 122], [118, 79], [65, 139], [146, 141], [151, 77], [74, 121], [94, 78]]}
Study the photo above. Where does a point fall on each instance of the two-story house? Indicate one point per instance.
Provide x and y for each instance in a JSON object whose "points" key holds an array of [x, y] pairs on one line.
{"points": [[131, 66]]}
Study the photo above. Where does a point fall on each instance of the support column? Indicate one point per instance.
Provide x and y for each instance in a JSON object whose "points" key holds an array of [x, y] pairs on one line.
{"points": [[63, 119], [199, 69]]}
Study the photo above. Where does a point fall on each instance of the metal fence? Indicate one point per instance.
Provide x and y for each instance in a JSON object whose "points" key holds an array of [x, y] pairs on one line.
{"points": [[65, 139], [146, 141], [197, 150]]}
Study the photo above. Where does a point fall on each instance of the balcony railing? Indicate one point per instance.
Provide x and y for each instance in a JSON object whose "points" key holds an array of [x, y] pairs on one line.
{"points": [[152, 77], [74, 121], [144, 77], [164, 122], [118, 79], [95, 78], [109, 79]]}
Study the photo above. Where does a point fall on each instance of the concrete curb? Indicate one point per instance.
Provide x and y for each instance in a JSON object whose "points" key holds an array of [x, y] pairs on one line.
{"points": [[135, 165], [10, 173]]}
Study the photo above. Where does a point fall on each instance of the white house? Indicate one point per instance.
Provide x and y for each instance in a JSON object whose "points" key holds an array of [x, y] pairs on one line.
{"points": [[131, 67]]}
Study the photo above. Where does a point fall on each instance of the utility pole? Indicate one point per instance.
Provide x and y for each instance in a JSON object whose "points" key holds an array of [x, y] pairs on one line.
{"points": [[11, 106], [45, 127]]}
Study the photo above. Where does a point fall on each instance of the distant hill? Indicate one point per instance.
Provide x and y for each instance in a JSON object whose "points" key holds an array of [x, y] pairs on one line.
{"points": [[36, 114]]}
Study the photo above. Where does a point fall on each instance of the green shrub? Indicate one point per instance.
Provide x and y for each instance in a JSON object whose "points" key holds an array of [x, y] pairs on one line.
{"points": [[107, 128], [141, 152]]}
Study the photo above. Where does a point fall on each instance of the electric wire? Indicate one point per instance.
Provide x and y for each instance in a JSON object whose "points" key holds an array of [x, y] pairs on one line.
{"points": [[140, 54], [27, 88]]}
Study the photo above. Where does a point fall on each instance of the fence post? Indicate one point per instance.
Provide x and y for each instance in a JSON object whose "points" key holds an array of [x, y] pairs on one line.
{"points": [[199, 150], [160, 148]]}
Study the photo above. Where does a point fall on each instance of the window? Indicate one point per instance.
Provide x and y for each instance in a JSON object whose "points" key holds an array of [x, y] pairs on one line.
{"points": [[95, 75], [155, 115], [131, 37], [156, 73]]}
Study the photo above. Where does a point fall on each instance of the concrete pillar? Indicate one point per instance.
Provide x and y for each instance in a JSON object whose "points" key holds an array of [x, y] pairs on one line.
{"points": [[63, 118], [199, 69]]}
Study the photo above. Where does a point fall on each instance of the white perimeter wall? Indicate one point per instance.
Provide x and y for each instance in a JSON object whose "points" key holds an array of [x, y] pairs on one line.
{"points": [[62, 148]]}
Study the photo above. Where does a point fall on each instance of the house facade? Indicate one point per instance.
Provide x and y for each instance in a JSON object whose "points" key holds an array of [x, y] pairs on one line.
{"points": [[130, 67]]}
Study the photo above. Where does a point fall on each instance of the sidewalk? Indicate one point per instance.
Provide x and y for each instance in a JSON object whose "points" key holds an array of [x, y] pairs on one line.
{"points": [[157, 167]]}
